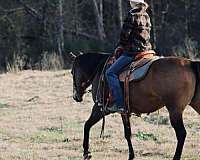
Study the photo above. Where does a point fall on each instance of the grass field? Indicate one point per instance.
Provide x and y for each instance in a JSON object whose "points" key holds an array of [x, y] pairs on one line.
{"points": [[40, 121]]}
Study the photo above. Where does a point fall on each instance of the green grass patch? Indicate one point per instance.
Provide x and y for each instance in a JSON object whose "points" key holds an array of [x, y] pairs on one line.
{"points": [[52, 136], [145, 136], [155, 119], [52, 129], [73, 125], [4, 105]]}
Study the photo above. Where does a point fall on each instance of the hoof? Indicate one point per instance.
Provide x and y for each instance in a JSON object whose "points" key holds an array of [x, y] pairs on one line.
{"points": [[131, 157], [87, 156]]}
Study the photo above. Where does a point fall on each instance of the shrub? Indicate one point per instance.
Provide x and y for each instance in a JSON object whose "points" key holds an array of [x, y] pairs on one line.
{"points": [[16, 64], [50, 61], [189, 49]]}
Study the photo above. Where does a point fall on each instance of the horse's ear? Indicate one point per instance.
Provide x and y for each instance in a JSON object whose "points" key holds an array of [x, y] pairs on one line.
{"points": [[81, 53], [72, 55]]}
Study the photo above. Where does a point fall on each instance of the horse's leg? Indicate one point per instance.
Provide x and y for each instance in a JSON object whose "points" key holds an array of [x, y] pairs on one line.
{"points": [[196, 107], [127, 132], [177, 123], [95, 116]]}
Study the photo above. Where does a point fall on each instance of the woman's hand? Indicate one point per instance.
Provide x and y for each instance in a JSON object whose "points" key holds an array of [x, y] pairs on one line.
{"points": [[111, 60], [118, 51]]}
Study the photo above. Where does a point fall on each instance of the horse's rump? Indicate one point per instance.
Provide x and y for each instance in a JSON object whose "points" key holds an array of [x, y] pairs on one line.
{"points": [[170, 81]]}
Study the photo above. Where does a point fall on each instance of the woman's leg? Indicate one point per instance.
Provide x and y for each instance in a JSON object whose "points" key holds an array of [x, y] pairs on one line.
{"points": [[113, 79]]}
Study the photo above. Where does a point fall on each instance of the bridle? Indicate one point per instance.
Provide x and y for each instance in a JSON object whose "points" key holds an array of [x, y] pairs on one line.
{"points": [[89, 81]]}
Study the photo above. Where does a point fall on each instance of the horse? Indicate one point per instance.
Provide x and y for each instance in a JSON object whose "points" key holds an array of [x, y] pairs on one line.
{"points": [[171, 82]]}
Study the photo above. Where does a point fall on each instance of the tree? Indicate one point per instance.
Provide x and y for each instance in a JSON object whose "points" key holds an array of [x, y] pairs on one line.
{"points": [[99, 18], [59, 35], [119, 2]]}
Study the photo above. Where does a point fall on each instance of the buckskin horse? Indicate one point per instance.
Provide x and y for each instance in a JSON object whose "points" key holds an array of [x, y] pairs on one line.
{"points": [[171, 81]]}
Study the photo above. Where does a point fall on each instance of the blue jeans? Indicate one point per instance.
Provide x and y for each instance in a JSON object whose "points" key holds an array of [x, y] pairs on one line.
{"points": [[113, 78]]}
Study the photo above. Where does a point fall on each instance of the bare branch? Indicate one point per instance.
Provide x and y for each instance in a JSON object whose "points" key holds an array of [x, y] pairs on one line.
{"points": [[99, 19], [31, 10], [11, 11]]}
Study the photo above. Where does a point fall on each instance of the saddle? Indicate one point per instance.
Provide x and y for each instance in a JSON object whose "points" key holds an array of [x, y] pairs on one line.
{"points": [[138, 69]]}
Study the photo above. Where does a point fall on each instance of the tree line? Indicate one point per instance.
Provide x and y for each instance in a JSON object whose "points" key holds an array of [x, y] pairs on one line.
{"points": [[31, 29]]}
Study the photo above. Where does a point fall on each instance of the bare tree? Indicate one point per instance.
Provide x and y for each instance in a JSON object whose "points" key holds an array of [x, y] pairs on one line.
{"points": [[187, 18], [154, 24], [99, 18], [31, 10], [60, 26], [119, 2]]}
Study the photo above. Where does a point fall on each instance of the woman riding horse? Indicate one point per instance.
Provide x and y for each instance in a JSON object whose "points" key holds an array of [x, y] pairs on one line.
{"points": [[171, 82], [134, 39]]}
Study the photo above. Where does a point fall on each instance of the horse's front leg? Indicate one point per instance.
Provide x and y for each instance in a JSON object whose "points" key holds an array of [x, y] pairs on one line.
{"points": [[127, 132], [95, 116]]}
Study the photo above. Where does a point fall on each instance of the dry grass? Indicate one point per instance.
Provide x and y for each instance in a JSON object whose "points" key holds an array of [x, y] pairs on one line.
{"points": [[189, 49], [16, 64], [40, 121], [50, 61]]}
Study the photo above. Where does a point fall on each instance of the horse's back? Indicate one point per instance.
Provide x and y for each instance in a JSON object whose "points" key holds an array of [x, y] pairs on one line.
{"points": [[170, 81]]}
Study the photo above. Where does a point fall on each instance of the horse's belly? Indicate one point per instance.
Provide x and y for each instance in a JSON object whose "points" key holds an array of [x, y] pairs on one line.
{"points": [[145, 104]]}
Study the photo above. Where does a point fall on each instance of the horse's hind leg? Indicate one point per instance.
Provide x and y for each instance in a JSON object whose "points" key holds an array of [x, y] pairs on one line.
{"points": [[127, 132], [95, 116], [196, 107], [177, 123]]}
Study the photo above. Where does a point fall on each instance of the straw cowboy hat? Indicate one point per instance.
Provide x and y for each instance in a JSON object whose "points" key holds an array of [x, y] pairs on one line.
{"points": [[137, 1]]}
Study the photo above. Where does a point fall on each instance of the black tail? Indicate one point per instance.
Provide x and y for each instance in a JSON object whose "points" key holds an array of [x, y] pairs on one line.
{"points": [[196, 69]]}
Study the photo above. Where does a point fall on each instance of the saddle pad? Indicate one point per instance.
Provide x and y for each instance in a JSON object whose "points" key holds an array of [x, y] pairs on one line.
{"points": [[139, 70]]}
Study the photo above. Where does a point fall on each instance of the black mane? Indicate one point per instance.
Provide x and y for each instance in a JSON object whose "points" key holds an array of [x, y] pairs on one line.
{"points": [[91, 62]]}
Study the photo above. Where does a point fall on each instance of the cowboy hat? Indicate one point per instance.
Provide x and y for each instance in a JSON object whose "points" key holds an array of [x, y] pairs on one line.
{"points": [[137, 1]]}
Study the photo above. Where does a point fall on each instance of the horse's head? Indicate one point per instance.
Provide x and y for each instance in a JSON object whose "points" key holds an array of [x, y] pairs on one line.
{"points": [[84, 69], [80, 80]]}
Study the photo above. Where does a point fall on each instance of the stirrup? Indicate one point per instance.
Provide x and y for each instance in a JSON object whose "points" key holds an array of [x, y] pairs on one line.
{"points": [[122, 111]]}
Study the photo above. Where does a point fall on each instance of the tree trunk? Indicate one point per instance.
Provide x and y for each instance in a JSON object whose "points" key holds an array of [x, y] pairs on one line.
{"points": [[60, 31], [154, 24], [120, 12], [99, 19], [187, 18], [165, 8], [76, 15]]}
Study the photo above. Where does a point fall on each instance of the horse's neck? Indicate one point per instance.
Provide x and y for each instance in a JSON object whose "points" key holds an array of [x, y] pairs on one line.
{"points": [[94, 72], [96, 84], [95, 65]]}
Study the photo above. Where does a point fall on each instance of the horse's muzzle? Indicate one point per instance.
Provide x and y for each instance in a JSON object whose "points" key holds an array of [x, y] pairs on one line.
{"points": [[77, 97]]}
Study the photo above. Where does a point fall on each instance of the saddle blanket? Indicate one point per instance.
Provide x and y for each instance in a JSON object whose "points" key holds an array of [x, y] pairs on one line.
{"points": [[138, 69]]}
